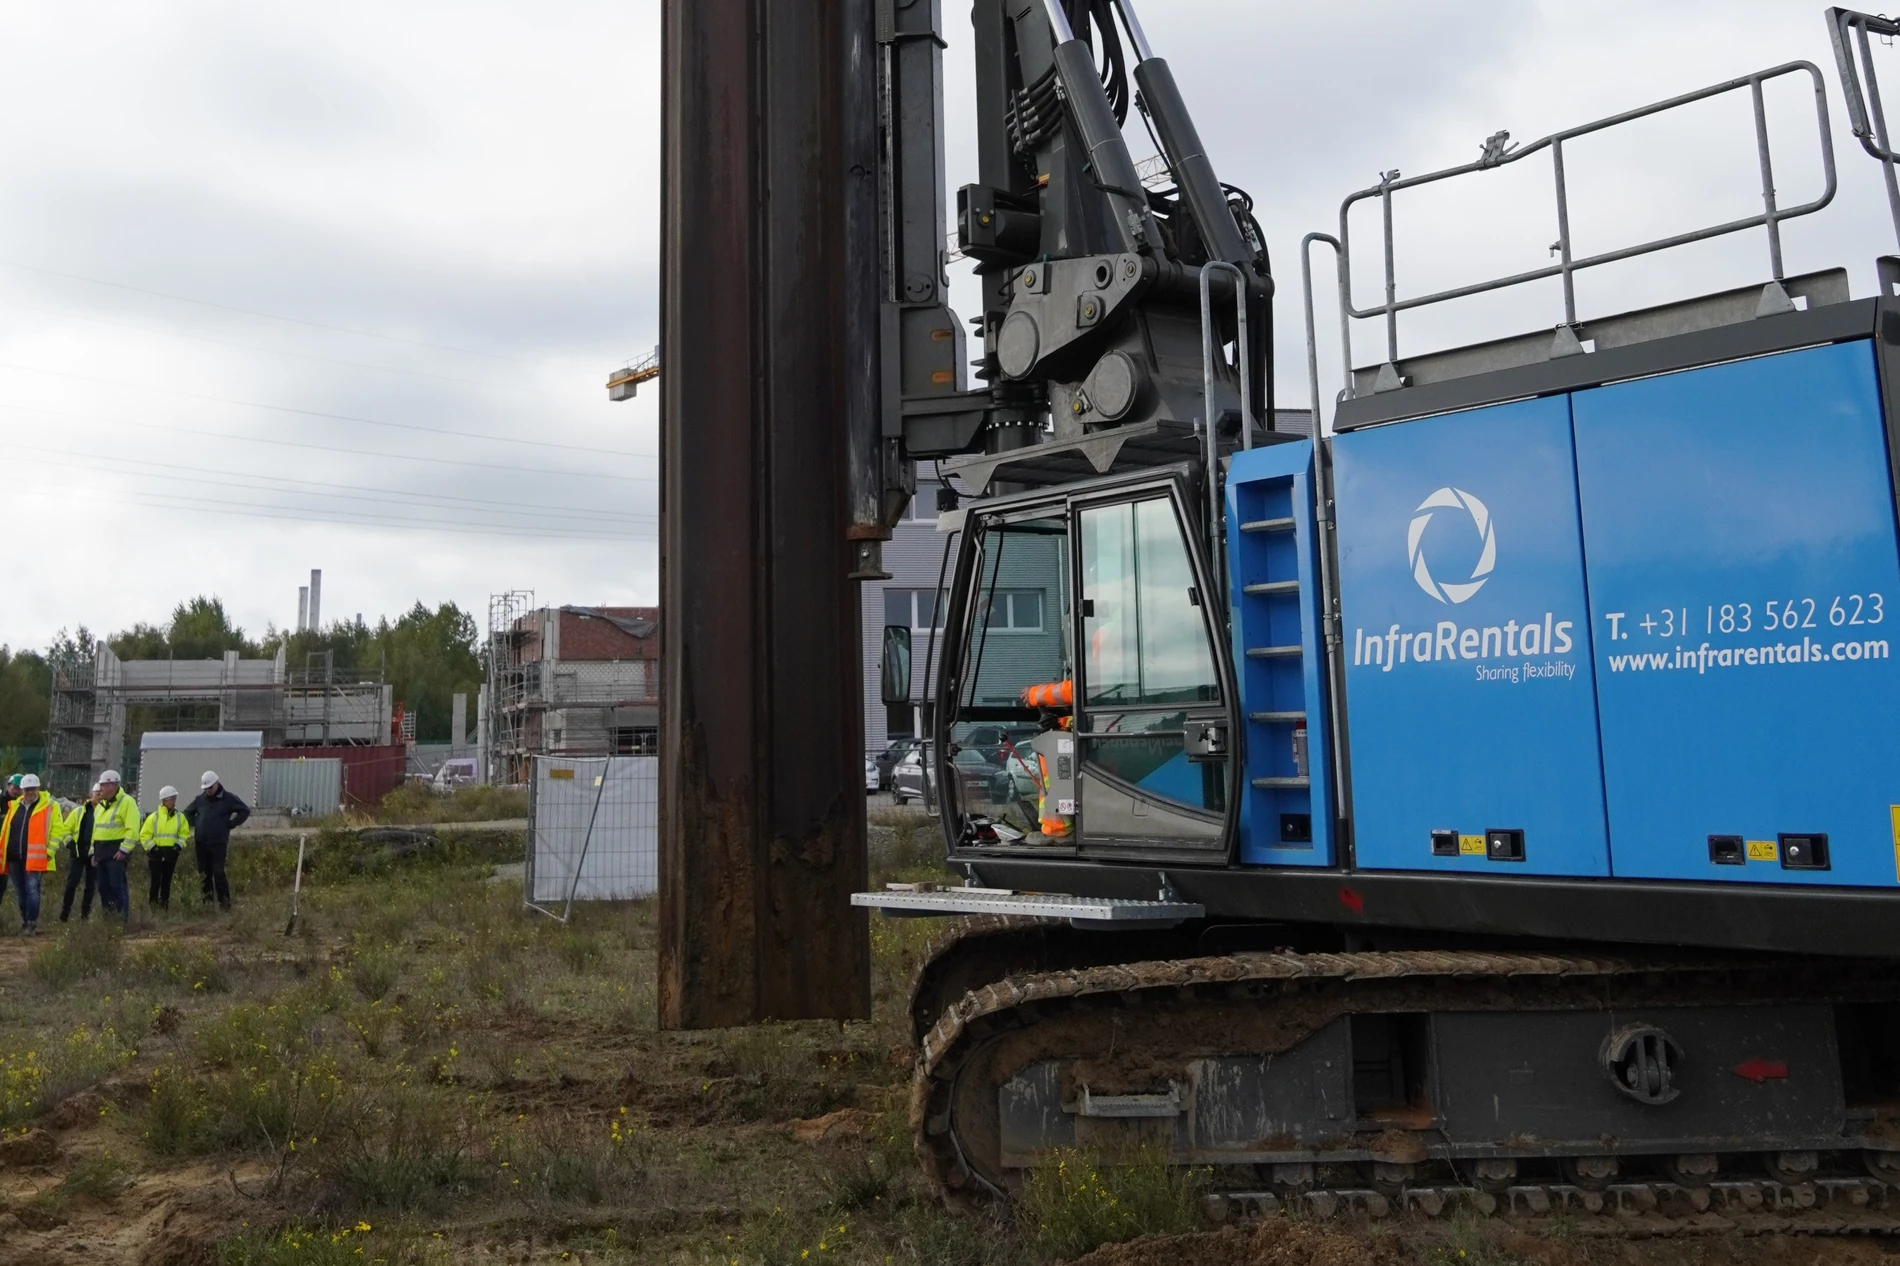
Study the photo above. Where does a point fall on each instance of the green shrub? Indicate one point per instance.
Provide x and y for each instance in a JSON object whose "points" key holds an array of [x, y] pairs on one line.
{"points": [[581, 951], [177, 1118], [1076, 1201], [298, 1245], [399, 1149], [373, 1026], [413, 803], [31, 1081], [173, 964], [574, 1162], [273, 1105], [374, 971], [80, 950], [100, 1176]]}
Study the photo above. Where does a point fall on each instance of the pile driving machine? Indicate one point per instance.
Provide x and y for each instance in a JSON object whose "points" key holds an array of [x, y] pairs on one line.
{"points": [[1497, 790]]}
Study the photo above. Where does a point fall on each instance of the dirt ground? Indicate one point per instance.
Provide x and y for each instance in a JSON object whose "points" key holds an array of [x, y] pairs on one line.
{"points": [[424, 1073]]}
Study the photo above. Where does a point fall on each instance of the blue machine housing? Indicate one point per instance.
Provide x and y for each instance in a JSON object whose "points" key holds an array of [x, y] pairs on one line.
{"points": [[1287, 814], [1627, 631], [1736, 788], [1466, 645]]}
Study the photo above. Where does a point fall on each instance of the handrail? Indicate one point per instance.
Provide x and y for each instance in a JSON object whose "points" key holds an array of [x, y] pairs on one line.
{"points": [[1312, 333], [1498, 153], [1865, 114], [1217, 538]]}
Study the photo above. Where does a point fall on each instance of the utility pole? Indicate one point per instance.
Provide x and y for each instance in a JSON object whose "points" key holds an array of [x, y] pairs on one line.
{"points": [[770, 158]]}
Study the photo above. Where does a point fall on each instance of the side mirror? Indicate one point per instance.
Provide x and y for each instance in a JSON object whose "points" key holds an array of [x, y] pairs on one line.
{"points": [[894, 666]]}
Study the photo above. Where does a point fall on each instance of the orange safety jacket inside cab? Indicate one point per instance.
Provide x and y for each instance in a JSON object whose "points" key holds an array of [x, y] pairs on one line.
{"points": [[43, 828]]}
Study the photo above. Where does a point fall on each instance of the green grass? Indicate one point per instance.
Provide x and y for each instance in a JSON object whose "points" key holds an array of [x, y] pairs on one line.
{"points": [[425, 1057], [76, 952], [1076, 1201], [413, 803]]}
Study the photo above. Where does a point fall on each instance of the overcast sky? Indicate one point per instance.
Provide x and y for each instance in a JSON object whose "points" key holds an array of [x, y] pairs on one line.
{"points": [[338, 286]]}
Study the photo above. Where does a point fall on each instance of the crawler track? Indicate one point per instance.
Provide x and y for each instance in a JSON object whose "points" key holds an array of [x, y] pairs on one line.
{"points": [[1161, 1013], [1827, 1206]]}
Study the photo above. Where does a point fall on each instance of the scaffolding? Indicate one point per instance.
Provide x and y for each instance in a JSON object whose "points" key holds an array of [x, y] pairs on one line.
{"points": [[101, 705], [542, 699], [505, 688]]}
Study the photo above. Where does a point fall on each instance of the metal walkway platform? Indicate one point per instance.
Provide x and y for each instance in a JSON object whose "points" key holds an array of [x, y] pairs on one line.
{"points": [[946, 902]]}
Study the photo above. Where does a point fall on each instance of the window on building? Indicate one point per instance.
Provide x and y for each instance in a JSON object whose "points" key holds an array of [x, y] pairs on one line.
{"points": [[912, 607], [1015, 610], [634, 740]]}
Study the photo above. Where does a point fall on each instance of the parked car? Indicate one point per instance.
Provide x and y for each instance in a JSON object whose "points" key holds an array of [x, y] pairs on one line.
{"points": [[873, 777], [887, 759], [1017, 782], [908, 777]]}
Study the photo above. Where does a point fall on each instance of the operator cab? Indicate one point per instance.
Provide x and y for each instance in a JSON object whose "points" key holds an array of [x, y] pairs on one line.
{"points": [[1091, 725]]}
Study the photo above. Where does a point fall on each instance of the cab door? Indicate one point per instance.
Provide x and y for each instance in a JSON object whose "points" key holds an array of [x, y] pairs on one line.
{"points": [[1154, 718]]}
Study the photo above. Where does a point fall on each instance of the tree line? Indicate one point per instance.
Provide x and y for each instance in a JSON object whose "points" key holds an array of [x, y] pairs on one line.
{"points": [[427, 657]]}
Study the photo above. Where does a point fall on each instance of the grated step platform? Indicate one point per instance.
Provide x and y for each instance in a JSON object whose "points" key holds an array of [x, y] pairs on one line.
{"points": [[944, 902]]}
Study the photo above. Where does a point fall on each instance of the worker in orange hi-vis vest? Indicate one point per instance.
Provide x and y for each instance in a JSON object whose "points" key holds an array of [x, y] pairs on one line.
{"points": [[1051, 697], [29, 837]]}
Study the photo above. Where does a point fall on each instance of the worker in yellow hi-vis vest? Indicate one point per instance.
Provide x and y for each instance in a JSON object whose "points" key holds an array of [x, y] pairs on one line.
{"points": [[163, 837], [115, 833], [29, 838]]}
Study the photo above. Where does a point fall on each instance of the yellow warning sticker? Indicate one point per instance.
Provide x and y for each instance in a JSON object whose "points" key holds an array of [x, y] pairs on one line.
{"points": [[1471, 846], [1762, 851], [1894, 812], [561, 773]]}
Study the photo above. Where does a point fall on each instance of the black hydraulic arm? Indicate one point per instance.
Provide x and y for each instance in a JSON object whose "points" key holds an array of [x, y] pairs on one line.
{"points": [[1181, 142]]}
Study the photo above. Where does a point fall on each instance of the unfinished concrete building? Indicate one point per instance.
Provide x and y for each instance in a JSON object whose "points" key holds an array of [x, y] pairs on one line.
{"points": [[572, 681], [100, 705]]}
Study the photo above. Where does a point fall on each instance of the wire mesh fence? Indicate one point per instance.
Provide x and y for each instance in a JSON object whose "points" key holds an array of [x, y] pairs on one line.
{"points": [[596, 829]]}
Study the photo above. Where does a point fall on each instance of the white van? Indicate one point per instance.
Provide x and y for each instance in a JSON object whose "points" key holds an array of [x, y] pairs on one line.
{"points": [[457, 771]]}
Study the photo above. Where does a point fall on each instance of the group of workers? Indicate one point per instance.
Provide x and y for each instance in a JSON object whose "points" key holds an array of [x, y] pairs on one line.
{"points": [[98, 837]]}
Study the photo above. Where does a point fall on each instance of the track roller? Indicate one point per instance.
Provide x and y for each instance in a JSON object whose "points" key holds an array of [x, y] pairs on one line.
{"points": [[1692, 1169], [1590, 1173], [1792, 1168], [1493, 1175]]}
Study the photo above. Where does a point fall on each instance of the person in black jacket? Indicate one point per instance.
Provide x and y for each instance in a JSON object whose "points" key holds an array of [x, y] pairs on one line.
{"points": [[81, 867], [213, 816]]}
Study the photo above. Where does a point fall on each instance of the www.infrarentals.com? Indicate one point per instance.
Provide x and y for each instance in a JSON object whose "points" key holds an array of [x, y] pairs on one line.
{"points": [[1704, 657]]}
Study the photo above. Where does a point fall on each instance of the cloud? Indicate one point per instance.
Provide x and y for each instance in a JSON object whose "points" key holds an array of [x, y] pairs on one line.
{"points": [[448, 215]]}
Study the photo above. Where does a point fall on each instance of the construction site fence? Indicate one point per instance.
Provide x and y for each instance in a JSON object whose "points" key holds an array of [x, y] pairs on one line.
{"points": [[595, 831]]}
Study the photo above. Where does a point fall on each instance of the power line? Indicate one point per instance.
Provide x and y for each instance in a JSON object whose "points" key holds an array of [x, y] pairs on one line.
{"points": [[269, 316], [330, 448], [121, 497], [317, 413], [247, 482], [457, 379], [138, 465]]}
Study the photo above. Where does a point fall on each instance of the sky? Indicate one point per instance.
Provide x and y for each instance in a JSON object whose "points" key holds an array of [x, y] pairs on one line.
{"points": [[339, 286]]}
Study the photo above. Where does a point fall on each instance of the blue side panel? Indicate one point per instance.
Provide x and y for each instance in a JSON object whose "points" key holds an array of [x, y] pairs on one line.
{"points": [[1470, 699], [1286, 814], [1745, 592]]}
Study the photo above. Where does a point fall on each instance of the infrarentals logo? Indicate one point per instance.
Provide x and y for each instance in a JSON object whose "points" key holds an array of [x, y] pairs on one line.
{"points": [[1451, 499]]}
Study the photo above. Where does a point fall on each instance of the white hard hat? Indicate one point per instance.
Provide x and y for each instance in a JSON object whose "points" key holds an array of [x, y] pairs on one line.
{"points": [[209, 781], [166, 793], [95, 788], [29, 782], [111, 775]]}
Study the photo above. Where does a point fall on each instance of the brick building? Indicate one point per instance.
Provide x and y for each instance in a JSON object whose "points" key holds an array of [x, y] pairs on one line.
{"points": [[575, 681]]}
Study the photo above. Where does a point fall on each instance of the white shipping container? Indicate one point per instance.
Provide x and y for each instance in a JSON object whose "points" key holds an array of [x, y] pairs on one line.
{"points": [[181, 759], [301, 787]]}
